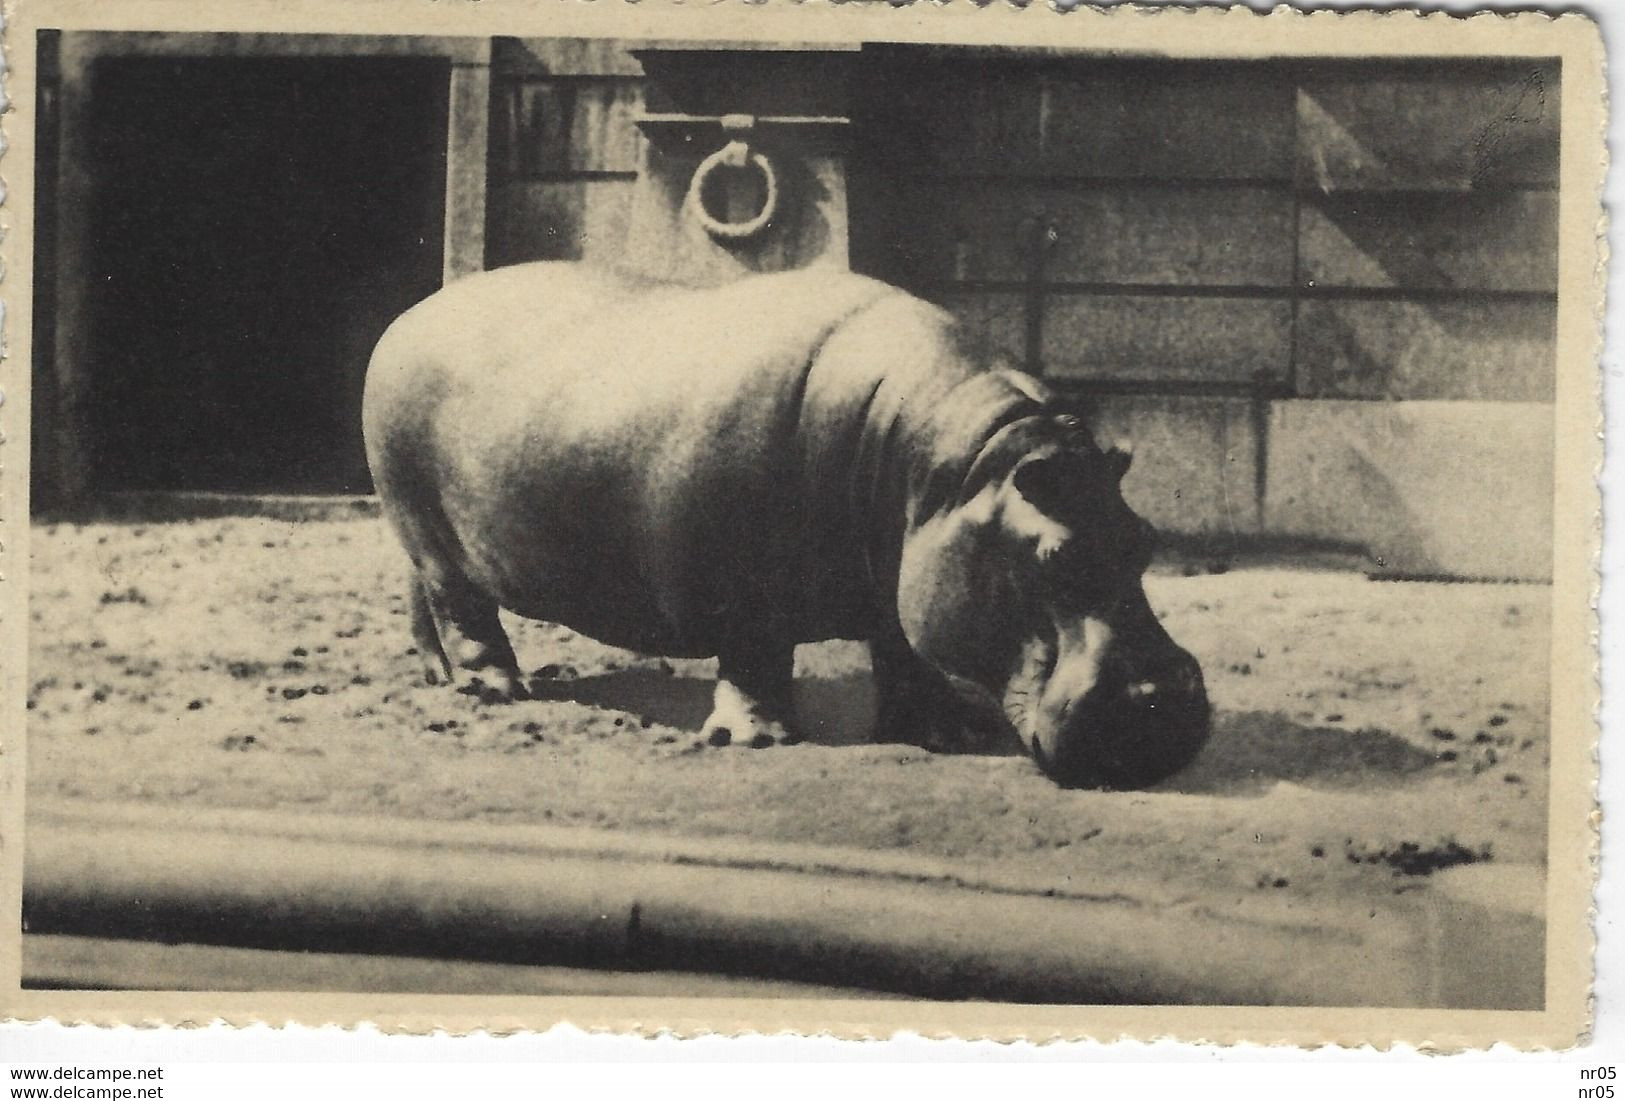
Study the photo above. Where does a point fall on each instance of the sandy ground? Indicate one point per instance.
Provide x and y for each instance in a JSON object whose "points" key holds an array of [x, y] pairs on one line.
{"points": [[1366, 732]]}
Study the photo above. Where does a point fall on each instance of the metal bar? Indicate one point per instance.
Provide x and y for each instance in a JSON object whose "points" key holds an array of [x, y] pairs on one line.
{"points": [[1310, 190], [1174, 387], [935, 172], [1159, 387], [531, 79], [1070, 60], [1231, 290], [678, 118], [574, 175], [675, 132]]}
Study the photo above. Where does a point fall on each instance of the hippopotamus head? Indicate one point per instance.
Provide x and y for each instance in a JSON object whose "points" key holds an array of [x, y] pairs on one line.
{"points": [[1026, 581]]}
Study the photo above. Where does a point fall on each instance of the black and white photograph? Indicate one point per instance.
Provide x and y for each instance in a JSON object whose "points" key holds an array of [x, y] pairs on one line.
{"points": [[939, 529]]}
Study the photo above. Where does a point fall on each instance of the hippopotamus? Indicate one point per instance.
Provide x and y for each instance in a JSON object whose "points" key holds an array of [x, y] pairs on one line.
{"points": [[732, 470]]}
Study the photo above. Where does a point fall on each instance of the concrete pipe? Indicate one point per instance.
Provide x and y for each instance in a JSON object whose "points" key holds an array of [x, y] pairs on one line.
{"points": [[533, 896]]}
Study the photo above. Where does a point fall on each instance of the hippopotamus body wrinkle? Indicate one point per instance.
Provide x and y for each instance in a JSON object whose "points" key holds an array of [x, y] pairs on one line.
{"points": [[734, 470]]}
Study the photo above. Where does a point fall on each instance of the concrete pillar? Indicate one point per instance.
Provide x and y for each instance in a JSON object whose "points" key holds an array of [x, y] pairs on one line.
{"points": [[720, 151], [66, 450], [468, 112]]}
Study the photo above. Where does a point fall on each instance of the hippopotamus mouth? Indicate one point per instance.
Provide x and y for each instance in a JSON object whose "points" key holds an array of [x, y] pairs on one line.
{"points": [[1126, 721]]}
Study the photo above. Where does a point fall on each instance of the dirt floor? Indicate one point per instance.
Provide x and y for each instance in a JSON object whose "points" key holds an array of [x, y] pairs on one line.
{"points": [[1366, 732]]}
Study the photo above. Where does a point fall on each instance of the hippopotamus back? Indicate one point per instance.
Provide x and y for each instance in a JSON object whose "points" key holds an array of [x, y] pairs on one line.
{"points": [[638, 460]]}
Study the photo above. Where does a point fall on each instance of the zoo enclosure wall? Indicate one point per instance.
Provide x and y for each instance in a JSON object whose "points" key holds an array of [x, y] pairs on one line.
{"points": [[1320, 296]]}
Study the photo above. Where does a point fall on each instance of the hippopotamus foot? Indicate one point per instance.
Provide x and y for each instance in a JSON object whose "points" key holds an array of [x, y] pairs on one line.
{"points": [[752, 699], [916, 703], [462, 641]]}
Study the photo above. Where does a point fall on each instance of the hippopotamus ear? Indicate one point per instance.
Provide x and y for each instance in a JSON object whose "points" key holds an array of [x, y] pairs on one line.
{"points": [[1051, 482], [1048, 482]]}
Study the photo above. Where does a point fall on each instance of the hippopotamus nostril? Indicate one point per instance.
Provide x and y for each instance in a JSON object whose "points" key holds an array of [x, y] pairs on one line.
{"points": [[1136, 733], [1178, 677]]}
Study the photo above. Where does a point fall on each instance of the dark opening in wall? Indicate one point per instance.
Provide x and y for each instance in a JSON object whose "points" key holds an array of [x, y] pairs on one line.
{"points": [[256, 224]]}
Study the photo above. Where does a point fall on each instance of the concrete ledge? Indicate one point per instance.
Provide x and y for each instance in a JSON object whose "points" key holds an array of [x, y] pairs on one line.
{"points": [[1432, 488], [168, 506], [536, 897]]}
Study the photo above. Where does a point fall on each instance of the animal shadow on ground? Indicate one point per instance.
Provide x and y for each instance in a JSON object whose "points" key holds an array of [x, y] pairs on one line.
{"points": [[835, 710], [1250, 751]]}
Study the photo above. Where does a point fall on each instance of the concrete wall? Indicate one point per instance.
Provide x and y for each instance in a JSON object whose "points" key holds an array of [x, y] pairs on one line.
{"points": [[1195, 466], [592, 158], [1248, 266]]}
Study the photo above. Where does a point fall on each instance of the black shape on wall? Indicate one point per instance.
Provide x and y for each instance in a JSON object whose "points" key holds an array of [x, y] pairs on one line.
{"points": [[43, 386], [257, 223]]}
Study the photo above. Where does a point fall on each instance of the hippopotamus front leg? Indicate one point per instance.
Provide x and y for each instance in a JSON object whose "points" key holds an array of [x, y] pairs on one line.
{"points": [[457, 628], [916, 703], [752, 698]]}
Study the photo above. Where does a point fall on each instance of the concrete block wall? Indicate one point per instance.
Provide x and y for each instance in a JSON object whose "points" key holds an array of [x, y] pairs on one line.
{"points": [[1248, 266], [1458, 489], [1195, 461], [1296, 290]]}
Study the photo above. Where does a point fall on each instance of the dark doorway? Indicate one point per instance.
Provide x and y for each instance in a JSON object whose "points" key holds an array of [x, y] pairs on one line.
{"points": [[256, 225]]}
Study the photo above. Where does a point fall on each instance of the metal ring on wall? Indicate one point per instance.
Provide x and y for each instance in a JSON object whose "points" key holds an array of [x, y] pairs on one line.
{"points": [[736, 154]]}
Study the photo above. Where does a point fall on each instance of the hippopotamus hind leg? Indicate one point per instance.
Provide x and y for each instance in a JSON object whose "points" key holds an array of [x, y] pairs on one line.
{"points": [[476, 651], [436, 669], [752, 698]]}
